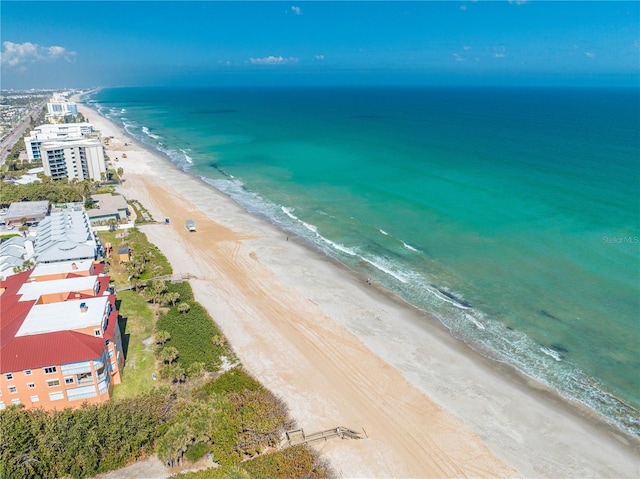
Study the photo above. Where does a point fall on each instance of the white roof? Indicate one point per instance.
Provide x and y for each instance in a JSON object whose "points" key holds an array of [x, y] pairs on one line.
{"points": [[107, 204], [27, 209], [35, 289], [54, 145], [65, 316], [61, 267], [65, 236]]}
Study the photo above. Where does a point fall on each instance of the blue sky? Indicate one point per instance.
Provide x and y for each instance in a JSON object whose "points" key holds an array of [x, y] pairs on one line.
{"points": [[86, 44]]}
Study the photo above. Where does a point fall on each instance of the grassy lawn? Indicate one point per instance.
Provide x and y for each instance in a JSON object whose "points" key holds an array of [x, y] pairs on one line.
{"points": [[136, 318], [157, 264]]}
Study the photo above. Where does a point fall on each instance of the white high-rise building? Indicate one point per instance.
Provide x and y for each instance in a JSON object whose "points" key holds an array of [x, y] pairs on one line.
{"points": [[50, 132], [59, 109], [80, 159]]}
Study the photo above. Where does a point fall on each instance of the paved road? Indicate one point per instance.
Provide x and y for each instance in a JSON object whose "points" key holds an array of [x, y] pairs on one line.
{"points": [[8, 142]]}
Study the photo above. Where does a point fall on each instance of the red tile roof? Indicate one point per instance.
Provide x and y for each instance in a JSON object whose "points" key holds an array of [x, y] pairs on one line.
{"points": [[49, 349]]}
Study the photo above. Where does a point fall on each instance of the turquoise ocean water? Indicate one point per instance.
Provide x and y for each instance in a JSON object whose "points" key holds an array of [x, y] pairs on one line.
{"points": [[513, 215]]}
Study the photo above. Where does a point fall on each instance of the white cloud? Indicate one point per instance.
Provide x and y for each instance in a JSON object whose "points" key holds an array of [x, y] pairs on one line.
{"points": [[458, 57], [319, 57], [518, 2], [296, 10], [463, 7], [590, 54], [18, 55], [466, 47], [272, 60]]}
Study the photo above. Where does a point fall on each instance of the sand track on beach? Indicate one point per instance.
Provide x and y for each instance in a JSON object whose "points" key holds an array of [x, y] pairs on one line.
{"points": [[324, 372]]}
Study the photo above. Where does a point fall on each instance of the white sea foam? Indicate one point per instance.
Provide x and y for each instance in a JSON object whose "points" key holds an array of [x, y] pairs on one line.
{"points": [[128, 126], [445, 298], [314, 229], [187, 157], [409, 247], [378, 263], [550, 352], [383, 232], [478, 324], [289, 212], [147, 132]]}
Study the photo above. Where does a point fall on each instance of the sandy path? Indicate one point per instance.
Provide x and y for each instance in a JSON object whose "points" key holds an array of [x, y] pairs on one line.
{"points": [[308, 330]]}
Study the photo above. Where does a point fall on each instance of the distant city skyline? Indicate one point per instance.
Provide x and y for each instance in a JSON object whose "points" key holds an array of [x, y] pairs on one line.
{"points": [[88, 44]]}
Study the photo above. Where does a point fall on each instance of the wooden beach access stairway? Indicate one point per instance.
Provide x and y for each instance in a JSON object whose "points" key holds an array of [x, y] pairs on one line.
{"points": [[297, 436]]}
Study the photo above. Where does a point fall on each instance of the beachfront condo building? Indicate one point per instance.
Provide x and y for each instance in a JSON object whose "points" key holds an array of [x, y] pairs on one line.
{"points": [[74, 159], [60, 344], [48, 133], [60, 109]]}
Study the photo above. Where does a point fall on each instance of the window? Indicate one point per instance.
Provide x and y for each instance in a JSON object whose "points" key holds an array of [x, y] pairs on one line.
{"points": [[9, 376], [53, 383], [27, 372], [68, 380], [13, 389], [35, 399], [2, 406], [50, 370], [15, 402], [31, 385], [96, 332], [56, 396]]}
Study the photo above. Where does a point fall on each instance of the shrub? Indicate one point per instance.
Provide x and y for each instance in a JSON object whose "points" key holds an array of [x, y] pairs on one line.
{"points": [[84, 442], [195, 452], [192, 331], [234, 380]]}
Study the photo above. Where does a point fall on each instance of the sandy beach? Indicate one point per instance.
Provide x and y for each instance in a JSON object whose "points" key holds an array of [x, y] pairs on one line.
{"points": [[341, 352]]}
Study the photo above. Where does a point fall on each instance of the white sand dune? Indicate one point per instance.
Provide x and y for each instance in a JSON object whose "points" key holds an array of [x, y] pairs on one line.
{"points": [[340, 352]]}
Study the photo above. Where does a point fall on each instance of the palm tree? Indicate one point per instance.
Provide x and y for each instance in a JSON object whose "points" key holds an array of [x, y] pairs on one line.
{"points": [[158, 288], [162, 337], [168, 354], [184, 308], [173, 372], [196, 369], [172, 298]]}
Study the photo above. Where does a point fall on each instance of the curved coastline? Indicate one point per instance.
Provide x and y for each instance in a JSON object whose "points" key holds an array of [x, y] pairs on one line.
{"points": [[498, 428], [536, 359]]}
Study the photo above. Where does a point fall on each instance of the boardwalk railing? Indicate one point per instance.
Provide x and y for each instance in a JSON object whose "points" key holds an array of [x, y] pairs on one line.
{"points": [[297, 436]]}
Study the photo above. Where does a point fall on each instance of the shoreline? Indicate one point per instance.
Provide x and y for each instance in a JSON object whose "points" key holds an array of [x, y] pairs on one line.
{"points": [[531, 429]]}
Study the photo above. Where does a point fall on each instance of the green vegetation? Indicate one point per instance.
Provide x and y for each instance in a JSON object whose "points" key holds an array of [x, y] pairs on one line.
{"points": [[232, 381], [6, 237], [142, 214], [54, 191], [233, 426], [183, 418], [147, 261], [136, 325], [192, 334], [293, 462], [84, 442]]}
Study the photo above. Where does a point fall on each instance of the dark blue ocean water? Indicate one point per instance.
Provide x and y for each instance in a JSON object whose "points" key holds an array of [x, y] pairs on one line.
{"points": [[513, 215]]}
